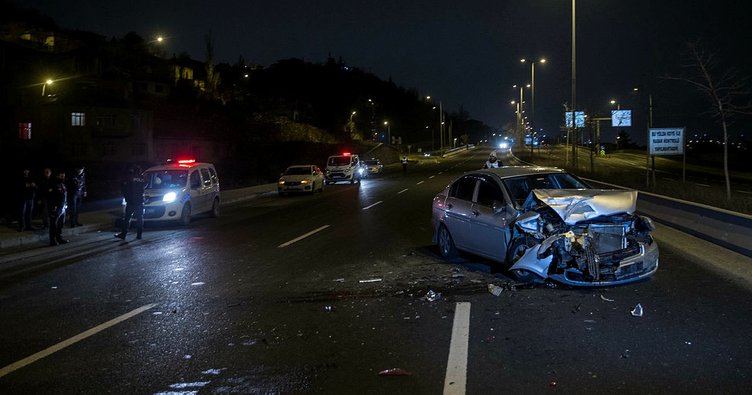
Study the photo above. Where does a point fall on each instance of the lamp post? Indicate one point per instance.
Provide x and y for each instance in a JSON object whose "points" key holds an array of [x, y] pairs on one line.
{"points": [[44, 85], [574, 85], [389, 132], [532, 87]]}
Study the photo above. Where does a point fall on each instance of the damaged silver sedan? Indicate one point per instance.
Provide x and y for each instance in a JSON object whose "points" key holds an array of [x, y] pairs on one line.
{"points": [[542, 223]]}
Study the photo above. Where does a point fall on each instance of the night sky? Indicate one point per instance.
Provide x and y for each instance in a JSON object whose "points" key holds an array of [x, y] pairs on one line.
{"points": [[460, 52]]}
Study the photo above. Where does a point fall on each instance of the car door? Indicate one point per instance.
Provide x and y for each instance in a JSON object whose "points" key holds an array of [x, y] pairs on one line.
{"points": [[207, 190], [458, 210], [196, 191], [489, 230]]}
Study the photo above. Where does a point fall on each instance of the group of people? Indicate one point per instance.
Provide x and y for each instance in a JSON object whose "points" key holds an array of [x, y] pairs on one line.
{"points": [[56, 197]]}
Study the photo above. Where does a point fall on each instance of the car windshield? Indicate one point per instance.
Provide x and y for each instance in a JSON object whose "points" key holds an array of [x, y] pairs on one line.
{"points": [[519, 187], [339, 160], [298, 170], [371, 162], [166, 179]]}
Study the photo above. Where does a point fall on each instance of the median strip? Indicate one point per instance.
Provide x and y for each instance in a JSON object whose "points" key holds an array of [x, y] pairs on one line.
{"points": [[297, 239], [65, 343]]}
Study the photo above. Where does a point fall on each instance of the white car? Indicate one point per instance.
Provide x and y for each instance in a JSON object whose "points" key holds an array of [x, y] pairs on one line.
{"points": [[372, 166], [177, 191], [301, 178]]}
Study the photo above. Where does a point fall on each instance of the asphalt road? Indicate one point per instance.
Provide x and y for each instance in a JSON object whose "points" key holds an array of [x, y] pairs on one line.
{"points": [[319, 294]]}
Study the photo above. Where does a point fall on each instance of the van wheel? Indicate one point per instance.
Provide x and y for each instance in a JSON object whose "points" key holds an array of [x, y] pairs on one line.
{"points": [[185, 215], [215, 208]]}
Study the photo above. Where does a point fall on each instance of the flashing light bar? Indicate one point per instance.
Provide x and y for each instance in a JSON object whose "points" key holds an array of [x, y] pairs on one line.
{"points": [[186, 161], [346, 154]]}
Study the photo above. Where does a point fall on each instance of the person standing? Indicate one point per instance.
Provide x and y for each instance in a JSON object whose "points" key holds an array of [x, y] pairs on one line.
{"points": [[404, 163], [44, 186], [133, 193], [26, 200], [76, 193], [56, 202], [492, 162]]}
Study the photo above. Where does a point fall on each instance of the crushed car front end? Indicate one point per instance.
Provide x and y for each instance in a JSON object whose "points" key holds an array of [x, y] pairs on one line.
{"points": [[585, 238]]}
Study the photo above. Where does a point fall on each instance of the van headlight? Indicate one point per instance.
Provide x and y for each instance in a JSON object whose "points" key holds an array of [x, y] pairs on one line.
{"points": [[169, 197]]}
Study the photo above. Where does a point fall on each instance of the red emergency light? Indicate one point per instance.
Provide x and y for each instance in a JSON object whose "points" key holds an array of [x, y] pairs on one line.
{"points": [[346, 154]]}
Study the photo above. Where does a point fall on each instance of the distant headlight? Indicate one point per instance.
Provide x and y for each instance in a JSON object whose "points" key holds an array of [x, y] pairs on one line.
{"points": [[281, 182], [305, 181], [169, 197], [361, 170]]}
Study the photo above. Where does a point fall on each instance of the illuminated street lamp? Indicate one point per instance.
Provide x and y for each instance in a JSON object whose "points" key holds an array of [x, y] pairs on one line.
{"points": [[388, 131], [44, 85], [532, 85]]}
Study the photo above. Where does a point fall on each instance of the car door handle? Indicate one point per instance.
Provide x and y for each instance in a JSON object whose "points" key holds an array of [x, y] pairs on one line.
{"points": [[476, 213]]}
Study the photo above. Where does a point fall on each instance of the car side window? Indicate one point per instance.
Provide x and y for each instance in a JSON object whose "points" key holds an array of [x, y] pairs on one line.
{"points": [[207, 178], [214, 178], [489, 191], [463, 188], [195, 180], [518, 188]]}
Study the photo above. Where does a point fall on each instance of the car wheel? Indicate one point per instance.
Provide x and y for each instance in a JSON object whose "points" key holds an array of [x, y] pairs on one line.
{"points": [[185, 215], [215, 208], [446, 244], [516, 251]]}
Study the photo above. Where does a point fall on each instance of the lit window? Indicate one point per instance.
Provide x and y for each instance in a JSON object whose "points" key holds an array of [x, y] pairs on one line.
{"points": [[78, 119], [24, 130]]}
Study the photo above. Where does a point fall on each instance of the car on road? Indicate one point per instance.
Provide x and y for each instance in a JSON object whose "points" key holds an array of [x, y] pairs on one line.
{"points": [[301, 178], [542, 223], [372, 166], [344, 167], [177, 191]]}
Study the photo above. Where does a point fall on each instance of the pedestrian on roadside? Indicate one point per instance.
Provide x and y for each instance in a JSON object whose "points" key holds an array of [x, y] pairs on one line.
{"points": [[76, 193], [44, 187], [27, 190], [56, 203], [404, 163], [133, 193]]}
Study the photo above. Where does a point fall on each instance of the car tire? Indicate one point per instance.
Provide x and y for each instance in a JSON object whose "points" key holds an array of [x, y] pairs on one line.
{"points": [[516, 250], [185, 215], [215, 208], [446, 243]]}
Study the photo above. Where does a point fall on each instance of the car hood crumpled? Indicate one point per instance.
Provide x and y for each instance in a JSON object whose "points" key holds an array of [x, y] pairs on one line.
{"points": [[577, 205]]}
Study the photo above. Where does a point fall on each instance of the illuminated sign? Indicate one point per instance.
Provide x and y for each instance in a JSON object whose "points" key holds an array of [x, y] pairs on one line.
{"points": [[621, 118], [666, 141], [579, 119]]}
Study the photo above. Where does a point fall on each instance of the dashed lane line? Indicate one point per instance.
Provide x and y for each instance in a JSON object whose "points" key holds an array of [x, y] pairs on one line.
{"points": [[420, 182], [455, 380], [297, 239], [65, 343], [402, 191], [432, 177], [375, 204]]}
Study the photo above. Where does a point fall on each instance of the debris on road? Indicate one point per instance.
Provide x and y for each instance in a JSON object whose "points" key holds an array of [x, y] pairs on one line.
{"points": [[432, 296], [495, 290], [370, 280], [395, 372], [339, 280], [605, 299], [637, 312], [625, 354]]}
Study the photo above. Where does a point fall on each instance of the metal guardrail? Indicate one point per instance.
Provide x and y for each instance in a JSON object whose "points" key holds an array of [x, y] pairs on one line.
{"points": [[725, 228]]}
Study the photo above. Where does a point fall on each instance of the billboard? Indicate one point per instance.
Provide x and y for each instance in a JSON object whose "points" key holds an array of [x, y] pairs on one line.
{"points": [[621, 118], [579, 119], [666, 141]]}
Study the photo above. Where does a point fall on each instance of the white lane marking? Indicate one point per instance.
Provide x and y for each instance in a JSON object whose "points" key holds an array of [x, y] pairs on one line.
{"points": [[456, 375], [702, 185], [65, 343], [375, 204], [432, 177], [441, 172], [297, 239], [420, 182], [747, 192], [402, 191]]}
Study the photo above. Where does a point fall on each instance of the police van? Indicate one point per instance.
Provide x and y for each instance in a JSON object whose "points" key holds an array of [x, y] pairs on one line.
{"points": [[177, 191], [345, 167]]}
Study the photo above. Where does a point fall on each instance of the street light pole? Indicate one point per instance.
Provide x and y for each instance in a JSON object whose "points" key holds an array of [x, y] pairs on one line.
{"points": [[574, 84]]}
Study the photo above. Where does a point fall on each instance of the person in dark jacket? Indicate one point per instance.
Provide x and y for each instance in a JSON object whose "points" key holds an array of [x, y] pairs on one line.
{"points": [[26, 200], [56, 203], [133, 193], [44, 186], [76, 193]]}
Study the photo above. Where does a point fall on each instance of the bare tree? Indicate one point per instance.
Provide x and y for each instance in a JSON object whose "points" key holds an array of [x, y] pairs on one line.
{"points": [[212, 76], [723, 88]]}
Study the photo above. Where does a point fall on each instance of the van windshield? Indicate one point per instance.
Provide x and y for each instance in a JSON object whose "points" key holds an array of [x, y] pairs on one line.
{"points": [[166, 179], [339, 160]]}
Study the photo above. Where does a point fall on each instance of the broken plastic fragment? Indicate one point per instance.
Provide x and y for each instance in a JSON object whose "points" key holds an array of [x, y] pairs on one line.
{"points": [[339, 280], [637, 312], [370, 280], [606, 299], [431, 295], [495, 290], [395, 372]]}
